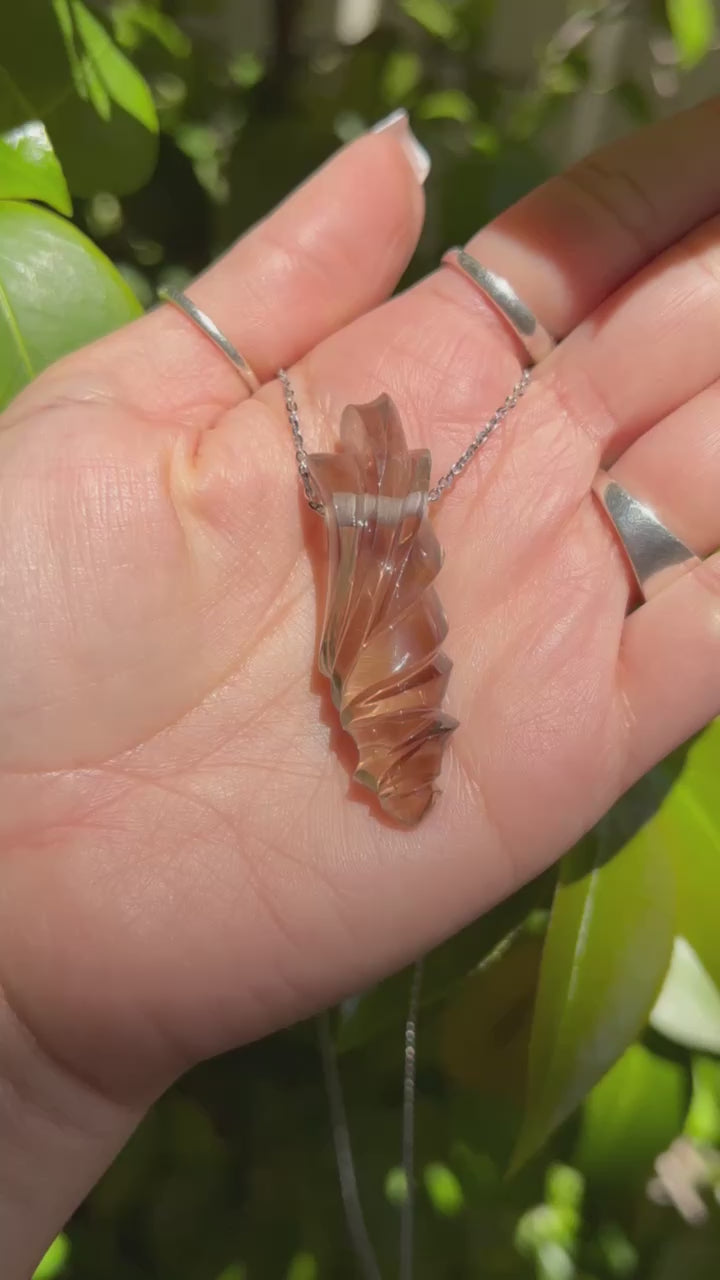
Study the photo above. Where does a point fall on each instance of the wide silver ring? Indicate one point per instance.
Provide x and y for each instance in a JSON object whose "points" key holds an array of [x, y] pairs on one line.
{"points": [[656, 556], [524, 323], [210, 329]]}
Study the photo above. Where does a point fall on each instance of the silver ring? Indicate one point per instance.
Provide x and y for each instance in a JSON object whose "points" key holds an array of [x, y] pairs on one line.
{"points": [[210, 329], [657, 557], [525, 325]]}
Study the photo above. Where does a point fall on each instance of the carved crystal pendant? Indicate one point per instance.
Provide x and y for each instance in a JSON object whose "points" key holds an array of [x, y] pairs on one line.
{"points": [[384, 623]]}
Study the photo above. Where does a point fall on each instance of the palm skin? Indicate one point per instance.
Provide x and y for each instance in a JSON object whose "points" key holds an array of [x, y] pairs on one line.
{"points": [[185, 861], [177, 809]]}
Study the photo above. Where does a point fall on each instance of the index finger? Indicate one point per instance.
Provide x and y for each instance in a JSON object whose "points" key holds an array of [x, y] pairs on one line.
{"points": [[335, 248]]}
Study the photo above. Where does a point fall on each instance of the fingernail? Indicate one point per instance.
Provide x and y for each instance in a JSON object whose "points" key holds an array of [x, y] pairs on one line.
{"points": [[398, 123]]}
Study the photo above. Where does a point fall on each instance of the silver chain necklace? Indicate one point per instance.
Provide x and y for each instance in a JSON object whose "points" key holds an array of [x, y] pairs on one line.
{"points": [[443, 483]]}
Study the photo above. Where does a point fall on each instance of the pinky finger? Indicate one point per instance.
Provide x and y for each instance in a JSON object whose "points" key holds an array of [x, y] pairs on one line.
{"points": [[670, 665]]}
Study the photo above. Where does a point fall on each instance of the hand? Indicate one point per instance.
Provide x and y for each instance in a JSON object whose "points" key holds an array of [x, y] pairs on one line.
{"points": [[184, 862]]}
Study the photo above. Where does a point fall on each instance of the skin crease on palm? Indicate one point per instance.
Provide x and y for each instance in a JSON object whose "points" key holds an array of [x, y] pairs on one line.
{"points": [[184, 862]]}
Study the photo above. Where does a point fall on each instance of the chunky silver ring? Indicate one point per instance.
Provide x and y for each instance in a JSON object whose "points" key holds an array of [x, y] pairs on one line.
{"points": [[525, 325], [210, 329], [657, 557]]}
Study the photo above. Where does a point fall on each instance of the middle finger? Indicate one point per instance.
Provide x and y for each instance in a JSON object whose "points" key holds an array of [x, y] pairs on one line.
{"points": [[447, 359]]}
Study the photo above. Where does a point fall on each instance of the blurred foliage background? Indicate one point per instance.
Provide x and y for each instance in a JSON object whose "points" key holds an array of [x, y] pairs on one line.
{"points": [[568, 1106]]}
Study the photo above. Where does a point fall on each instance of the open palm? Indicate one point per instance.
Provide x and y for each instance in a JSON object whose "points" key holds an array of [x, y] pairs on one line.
{"points": [[185, 861]]}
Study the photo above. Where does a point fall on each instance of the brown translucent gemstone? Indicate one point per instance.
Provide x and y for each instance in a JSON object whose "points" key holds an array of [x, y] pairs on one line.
{"points": [[384, 623]]}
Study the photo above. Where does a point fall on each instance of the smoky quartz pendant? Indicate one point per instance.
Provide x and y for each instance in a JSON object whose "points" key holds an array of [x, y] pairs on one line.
{"points": [[384, 624]]}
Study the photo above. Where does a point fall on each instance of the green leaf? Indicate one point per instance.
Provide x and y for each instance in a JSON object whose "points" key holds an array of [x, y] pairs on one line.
{"points": [[692, 23], [688, 1007], [246, 69], [448, 104], [57, 292], [401, 74], [689, 825], [444, 1190], [29, 168], [134, 19], [53, 1264], [702, 1123], [435, 16], [60, 65], [632, 1115], [607, 951], [386, 1005]]}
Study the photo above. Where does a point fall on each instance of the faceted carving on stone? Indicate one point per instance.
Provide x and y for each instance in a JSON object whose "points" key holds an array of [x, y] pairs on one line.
{"points": [[384, 623]]}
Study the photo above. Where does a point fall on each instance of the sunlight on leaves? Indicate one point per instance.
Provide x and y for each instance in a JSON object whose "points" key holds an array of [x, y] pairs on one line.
{"points": [[606, 954], [688, 1007], [448, 104], [689, 825], [58, 292], [630, 1117], [61, 66], [55, 1260], [30, 170], [692, 23], [444, 1190], [564, 1187]]}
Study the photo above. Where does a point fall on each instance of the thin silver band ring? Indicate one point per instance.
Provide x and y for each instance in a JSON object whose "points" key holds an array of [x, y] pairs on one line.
{"points": [[210, 329], [657, 557], [524, 323]]}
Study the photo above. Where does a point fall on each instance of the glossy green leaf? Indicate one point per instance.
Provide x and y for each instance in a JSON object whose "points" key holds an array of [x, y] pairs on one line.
{"points": [[632, 1115], [54, 1262], [689, 825], [60, 65], [29, 168], [57, 292], [606, 954], [386, 1005], [688, 1007], [692, 23]]}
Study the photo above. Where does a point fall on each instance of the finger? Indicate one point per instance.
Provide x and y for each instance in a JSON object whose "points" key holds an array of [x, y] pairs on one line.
{"points": [[675, 469], [565, 247], [334, 249], [574, 240], [669, 665], [647, 349]]}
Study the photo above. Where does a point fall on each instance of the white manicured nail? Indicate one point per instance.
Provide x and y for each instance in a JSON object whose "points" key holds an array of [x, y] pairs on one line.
{"points": [[398, 123]]}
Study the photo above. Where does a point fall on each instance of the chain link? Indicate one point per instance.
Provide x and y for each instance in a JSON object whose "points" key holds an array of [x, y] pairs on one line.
{"points": [[483, 434], [443, 483], [300, 451]]}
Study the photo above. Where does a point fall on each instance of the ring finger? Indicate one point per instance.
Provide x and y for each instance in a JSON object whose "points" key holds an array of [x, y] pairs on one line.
{"points": [[669, 667]]}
